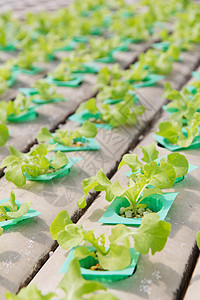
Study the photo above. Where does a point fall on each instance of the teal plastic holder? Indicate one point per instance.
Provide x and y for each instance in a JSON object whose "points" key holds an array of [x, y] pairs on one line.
{"points": [[90, 68], [115, 101], [81, 39], [196, 75], [150, 80], [103, 276], [60, 173], [91, 144], [30, 214], [29, 92], [32, 71], [162, 46], [85, 115], [12, 79], [192, 89], [30, 115], [74, 82], [9, 48], [160, 204]]}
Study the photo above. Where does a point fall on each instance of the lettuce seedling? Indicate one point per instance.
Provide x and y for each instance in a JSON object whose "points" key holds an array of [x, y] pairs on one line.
{"points": [[106, 75], [175, 133], [20, 105], [33, 163], [10, 210], [73, 285], [152, 234], [182, 103], [4, 134], [62, 73], [26, 59], [6, 70], [125, 112], [45, 91], [116, 90], [66, 137], [147, 179], [136, 72], [1, 231], [156, 62], [99, 48]]}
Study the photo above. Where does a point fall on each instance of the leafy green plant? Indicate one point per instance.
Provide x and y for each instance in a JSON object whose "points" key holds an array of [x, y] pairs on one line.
{"points": [[66, 137], [6, 70], [61, 73], [33, 163], [183, 104], [74, 286], [1, 231], [45, 91], [116, 90], [125, 112], [175, 133], [152, 234], [106, 75], [101, 47], [20, 105], [10, 210], [26, 59], [4, 134], [147, 179], [156, 62]]}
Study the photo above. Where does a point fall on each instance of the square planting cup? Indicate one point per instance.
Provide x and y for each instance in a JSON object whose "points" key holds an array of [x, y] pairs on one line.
{"points": [[103, 276], [60, 173], [85, 115], [30, 214], [91, 144], [160, 204]]}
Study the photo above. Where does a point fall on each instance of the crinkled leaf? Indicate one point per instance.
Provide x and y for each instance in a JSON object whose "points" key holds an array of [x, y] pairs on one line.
{"points": [[118, 258], [44, 135], [88, 130], [62, 219], [152, 234], [179, 162], [59, 160], [72, 236], [4, 134], [149, 153], [132, 161], [30, 293]]}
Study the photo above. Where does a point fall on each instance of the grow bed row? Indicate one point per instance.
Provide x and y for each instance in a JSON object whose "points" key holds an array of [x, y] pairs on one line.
{"points": [[165, 275]]}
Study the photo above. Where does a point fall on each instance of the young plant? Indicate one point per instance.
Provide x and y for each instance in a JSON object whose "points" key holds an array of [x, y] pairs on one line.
{"points": [[26, 59], [136, 72], [76, 61], [147, 179], [182, 103], [45, 91], [100, 48], [155, 62], [106, 75], [116, 90], [73, 285], [1, 231], [10, 210], [19, 106], [175, 133], [4, 134], [152, 234], [125, 112], [33, 163], [6, 70], [66, 137], [62, 73]]}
